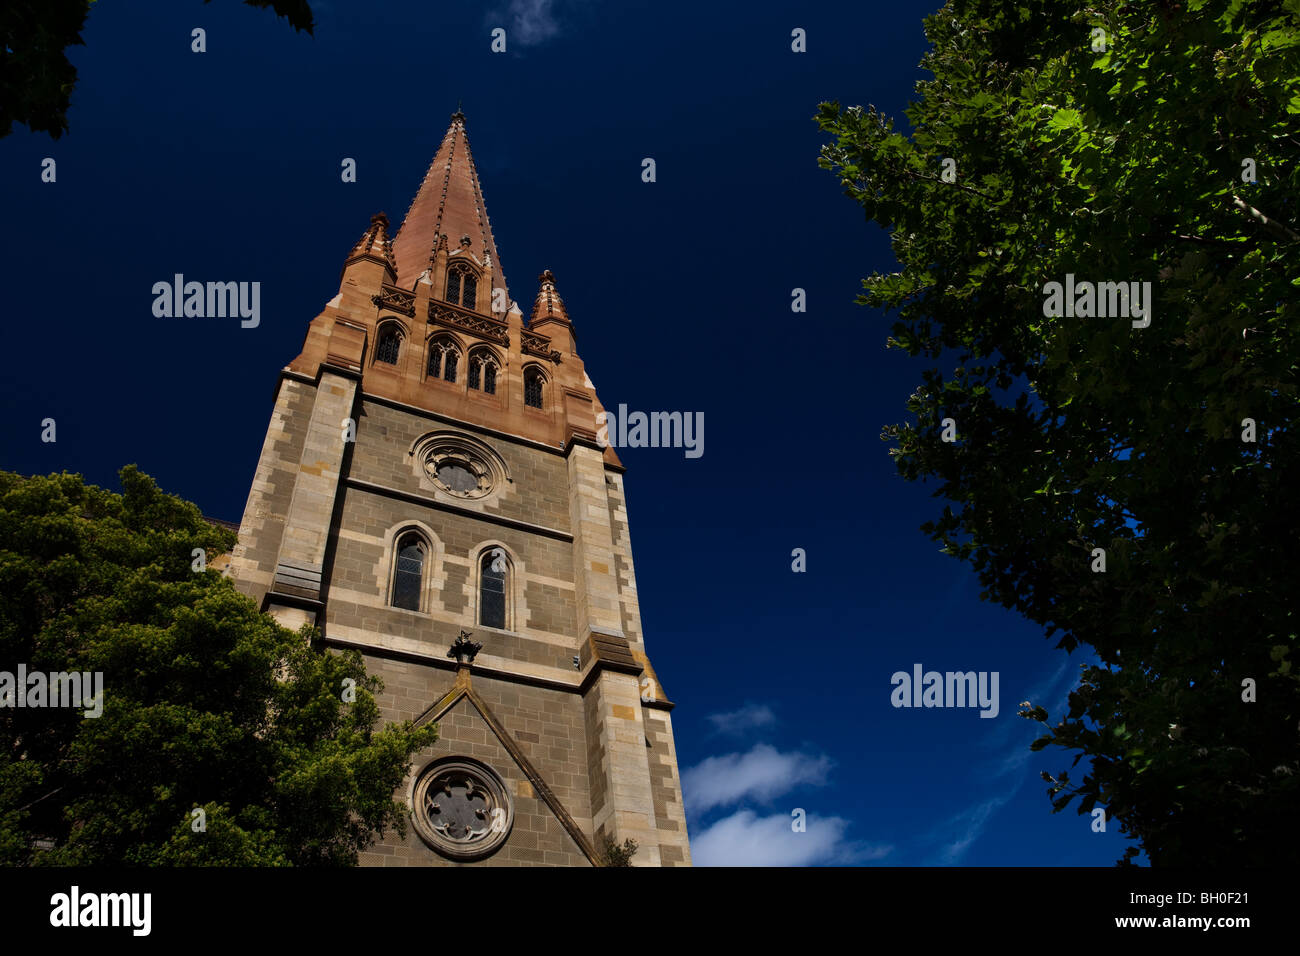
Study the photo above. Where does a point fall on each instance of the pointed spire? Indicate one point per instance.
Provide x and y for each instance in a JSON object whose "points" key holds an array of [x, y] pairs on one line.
{"points": [[448, 209], [549, 306], [374, 244]]}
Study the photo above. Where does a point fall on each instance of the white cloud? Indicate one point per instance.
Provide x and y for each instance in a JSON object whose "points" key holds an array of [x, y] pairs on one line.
{"points": [[531, 21], [1012, 762], [761, 774], [958, 833], [747, 718], [969, 826], [746, 839]]}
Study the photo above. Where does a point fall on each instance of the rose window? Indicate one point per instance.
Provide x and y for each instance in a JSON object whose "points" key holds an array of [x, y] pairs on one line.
{"points": [[461, 808], [458, 465]]}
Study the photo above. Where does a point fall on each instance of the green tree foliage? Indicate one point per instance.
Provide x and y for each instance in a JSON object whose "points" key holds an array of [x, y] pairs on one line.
{"points": [[207, 702], [611, 854], [36, 79], [1119, 164]]}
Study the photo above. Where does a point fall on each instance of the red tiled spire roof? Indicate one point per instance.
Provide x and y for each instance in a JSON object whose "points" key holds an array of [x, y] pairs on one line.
{"points": [[448, 206]]}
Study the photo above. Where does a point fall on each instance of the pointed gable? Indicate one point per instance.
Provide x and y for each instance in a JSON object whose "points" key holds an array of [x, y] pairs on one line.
{"points": [[539, 793]]}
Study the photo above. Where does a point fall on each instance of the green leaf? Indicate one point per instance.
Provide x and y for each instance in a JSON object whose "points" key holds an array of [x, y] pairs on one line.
{"points": [[1065, 119]]}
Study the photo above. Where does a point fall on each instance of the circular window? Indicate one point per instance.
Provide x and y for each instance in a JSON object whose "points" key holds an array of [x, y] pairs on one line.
{"points": [[458, 465], [460, 807]]}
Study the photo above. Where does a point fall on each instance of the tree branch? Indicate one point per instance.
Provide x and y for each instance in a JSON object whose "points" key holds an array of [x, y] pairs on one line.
{"points": [[935, 179], [39, 799], [1270, 223], [1208, 240]]}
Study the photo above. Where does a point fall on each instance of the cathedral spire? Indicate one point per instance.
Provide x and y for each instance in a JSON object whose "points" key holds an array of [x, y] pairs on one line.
{"points": [[448, 208]]}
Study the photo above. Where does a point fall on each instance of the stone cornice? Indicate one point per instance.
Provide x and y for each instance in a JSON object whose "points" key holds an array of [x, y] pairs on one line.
{"points": [[374, 488], [587, 441], [579, 685], [292, 600], [433, 659], [297, 376]]}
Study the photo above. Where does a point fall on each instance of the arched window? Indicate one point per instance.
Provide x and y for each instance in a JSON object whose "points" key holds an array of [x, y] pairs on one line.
{"points": [[483, 371], [534, 382], [408, 575], [444, 356], [462, 285], [494, 576], [390, 343]]}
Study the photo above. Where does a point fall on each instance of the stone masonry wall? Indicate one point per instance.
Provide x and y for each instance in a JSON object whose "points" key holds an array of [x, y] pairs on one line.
{"points": [[261, 530]]}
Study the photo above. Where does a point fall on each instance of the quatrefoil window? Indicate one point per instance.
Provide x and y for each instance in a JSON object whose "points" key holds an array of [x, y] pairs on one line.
{"points": [[461, 808]]}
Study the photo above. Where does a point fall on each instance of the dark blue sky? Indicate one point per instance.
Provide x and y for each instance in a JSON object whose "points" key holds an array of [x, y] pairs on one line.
{"points": [[225, 166]]}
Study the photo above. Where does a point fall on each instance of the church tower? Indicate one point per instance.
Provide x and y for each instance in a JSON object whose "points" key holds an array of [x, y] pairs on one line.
{"points": [[432, 493]]}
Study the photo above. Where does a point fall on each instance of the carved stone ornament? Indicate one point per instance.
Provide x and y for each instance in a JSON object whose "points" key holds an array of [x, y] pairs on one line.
{"points": [[395, 299], [464, 650], [534, 344], [462, 320]]}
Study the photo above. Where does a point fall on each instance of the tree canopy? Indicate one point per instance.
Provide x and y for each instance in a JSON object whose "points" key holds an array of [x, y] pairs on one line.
{"points": [[208, 704], [36, 77], [1114, 142]]}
